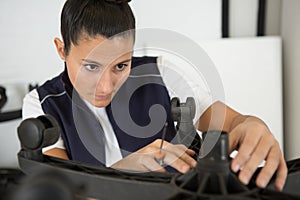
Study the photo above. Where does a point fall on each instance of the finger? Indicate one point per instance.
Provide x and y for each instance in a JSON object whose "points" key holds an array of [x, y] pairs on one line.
{"points": [[272, 163], [167, 145], [235, 137], [189, 160], [244, 152], [181, 147], [281, 175], [185, 149], [177, 163], [259, 154], [180, 152], [190, 152]]}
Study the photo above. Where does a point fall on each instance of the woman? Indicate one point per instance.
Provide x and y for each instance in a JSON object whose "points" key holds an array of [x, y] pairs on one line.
{"points": [[97, 46]]}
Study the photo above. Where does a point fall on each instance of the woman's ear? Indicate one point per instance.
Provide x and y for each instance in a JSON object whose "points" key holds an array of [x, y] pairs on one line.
{"points": [[60, 48]]}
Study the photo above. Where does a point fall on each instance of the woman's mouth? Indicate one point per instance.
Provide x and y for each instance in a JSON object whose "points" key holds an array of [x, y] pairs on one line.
{"points": [[103, 97]]}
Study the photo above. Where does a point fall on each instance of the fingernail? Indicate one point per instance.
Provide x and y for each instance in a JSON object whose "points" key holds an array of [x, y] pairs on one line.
{"points": [[194, 163], [279, 188], [236, 168], [244, 179], [263, 183], [185, 168]]}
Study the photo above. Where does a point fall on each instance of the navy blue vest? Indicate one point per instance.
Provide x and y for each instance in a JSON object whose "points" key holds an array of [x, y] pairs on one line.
{"points": [[137, 113]]}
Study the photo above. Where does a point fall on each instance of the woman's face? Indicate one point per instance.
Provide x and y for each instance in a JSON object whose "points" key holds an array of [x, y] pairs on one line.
{"points": [[98, 66]]}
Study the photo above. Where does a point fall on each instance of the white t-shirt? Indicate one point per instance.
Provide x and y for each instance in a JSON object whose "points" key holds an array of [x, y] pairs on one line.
{"points": [[179, 82]]}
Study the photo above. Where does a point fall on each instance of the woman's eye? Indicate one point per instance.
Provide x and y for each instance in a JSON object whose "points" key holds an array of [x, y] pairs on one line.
{"points": [[91, 67], [121, 67]]}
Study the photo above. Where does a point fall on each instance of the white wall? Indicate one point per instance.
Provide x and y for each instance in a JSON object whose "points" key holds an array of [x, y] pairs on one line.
{"points": [[290, 29], [27, 32], [27, 55], [195, 18]]}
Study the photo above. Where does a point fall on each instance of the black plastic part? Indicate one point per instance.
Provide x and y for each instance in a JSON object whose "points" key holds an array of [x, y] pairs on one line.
{"points": [[30, 133], [32, 87], [225, 18], [7, 116], [261, 18], [48, 185], [183, 114], [206, 181], [104, 183], [212, 175], [3, 97], [12, 115], [292, 185], [36, 133], [10, 180], [210, 179], [175, 103]]}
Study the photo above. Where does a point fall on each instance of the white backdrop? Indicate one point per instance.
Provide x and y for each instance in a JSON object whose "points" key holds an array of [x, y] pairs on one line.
{"points": [[251, 72], [197, 19]]}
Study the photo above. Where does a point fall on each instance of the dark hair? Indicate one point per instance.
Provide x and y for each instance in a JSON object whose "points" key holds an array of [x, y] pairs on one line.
{"points": [[95, 17]]}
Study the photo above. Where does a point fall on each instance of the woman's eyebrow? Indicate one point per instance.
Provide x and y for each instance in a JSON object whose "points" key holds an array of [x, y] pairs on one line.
{"points": [[124, 61], [92, 62]]}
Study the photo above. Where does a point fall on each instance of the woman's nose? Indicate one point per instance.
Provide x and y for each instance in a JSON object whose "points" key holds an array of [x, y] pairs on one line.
{"points": [[105, 83]]}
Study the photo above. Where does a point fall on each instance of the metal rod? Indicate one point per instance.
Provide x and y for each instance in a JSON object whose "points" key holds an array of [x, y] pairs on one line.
{"points": [[163, 137]]}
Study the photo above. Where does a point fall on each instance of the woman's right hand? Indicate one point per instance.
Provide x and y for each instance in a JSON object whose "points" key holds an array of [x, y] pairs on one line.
{"points": [[177, 156]]}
